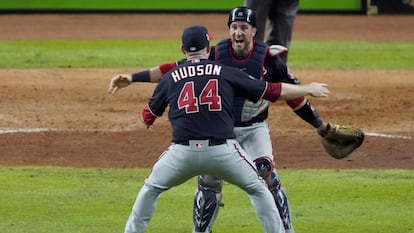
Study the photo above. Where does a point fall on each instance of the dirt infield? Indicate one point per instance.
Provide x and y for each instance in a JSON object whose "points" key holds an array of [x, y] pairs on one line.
{"points": [[65, 117]]}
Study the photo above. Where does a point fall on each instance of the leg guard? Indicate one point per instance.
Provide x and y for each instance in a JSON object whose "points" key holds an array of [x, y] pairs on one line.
{"points": [[206, 203], [266, 170]]}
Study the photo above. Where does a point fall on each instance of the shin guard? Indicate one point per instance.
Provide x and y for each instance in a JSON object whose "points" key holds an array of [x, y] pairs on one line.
{"points": [[266, 170], [206, 203], [281, 201]]}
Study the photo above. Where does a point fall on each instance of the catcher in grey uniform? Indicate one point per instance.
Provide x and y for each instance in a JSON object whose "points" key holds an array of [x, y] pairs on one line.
{"points": [[281, 15], [200, 95]]}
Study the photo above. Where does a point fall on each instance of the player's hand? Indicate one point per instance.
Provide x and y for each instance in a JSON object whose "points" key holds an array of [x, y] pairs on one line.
{"points": [[321, 130], [318, 89], [147, 126], [118, 82]]}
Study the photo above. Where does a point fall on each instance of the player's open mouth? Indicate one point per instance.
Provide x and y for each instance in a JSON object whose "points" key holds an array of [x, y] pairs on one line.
{"points": [[239, 41]]}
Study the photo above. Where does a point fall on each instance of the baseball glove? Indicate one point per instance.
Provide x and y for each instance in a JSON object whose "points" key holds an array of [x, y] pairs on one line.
{"points": [[341, 140]]}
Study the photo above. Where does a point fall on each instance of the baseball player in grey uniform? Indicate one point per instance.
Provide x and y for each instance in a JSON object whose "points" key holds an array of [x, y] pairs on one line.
{"points": [[252, 132], [281, 15], [200, 95]]}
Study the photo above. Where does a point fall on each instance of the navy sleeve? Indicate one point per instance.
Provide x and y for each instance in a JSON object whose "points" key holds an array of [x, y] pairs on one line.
{"points": [[158, 101], [277, 70], [244, 85]]}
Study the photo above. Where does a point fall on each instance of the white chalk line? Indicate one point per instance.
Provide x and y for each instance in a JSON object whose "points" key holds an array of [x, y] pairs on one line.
{"points": [[30, 130], [36, 130], [388, 136]]}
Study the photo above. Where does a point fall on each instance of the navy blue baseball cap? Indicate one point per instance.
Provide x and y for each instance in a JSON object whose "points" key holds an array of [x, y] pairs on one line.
{"points": [[195, 38]]}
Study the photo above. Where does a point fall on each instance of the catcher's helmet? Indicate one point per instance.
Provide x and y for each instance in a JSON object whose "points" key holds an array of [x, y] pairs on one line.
{"points": [[242, 14]]}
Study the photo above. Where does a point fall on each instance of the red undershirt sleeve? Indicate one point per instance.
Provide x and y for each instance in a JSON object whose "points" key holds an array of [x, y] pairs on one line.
{"points": [[273, 91]]}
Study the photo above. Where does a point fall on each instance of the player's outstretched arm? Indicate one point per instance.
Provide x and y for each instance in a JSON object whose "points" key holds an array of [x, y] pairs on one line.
{"points": [[291, 91], [119, 81]]}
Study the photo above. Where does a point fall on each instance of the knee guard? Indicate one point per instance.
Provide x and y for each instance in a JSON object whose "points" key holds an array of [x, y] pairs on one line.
{"points": [[207, 201], [265, 168]]}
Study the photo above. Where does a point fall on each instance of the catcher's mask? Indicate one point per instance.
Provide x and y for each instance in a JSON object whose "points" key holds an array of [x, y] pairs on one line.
{"points": [[244, 14]]}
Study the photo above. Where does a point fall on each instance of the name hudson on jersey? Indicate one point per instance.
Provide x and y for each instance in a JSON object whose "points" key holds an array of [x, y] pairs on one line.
{"points": [[193, 71]]}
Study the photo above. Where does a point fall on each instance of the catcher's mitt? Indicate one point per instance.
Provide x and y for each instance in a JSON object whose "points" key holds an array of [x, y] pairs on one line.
{"points": [[341, 140]]}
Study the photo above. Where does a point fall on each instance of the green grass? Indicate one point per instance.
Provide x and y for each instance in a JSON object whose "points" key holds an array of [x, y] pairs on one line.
{"points": [[351, 55], [133, 53], [86, 54], [67, 200]]}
